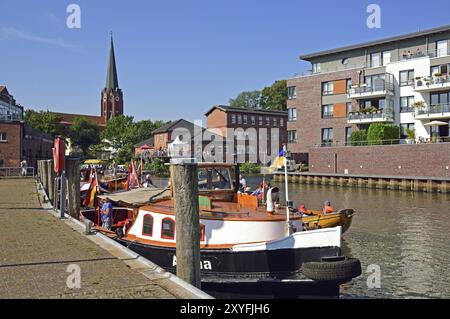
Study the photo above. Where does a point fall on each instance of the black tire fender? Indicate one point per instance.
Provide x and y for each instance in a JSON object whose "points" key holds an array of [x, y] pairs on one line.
{"points": [[333, 270]]}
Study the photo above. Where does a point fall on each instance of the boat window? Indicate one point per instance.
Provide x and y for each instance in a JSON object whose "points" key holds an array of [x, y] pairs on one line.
{"points": [[147, 226], [168, 228], [214, 178], [202, 232]]}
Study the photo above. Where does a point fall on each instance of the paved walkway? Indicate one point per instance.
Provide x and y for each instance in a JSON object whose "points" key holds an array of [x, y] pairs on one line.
{"points": [[36, 249]]}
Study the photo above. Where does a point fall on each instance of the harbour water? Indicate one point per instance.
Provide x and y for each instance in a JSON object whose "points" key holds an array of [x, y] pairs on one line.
{"points": [[405, 234]]}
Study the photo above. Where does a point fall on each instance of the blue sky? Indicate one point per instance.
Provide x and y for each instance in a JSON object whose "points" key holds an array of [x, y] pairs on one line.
{"points": [[178, 58]]}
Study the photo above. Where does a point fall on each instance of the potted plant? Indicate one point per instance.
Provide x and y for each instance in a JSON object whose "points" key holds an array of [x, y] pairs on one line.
{"points": [[419, 105], [410, 136]]}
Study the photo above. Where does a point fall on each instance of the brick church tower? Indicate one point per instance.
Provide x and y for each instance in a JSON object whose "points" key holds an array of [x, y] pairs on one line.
{"points": [[112, 97]]}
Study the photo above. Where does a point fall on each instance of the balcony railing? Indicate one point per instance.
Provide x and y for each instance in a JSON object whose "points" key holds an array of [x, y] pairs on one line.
{"points": [[402, 141], [10, 117], [435, 109], [370, 117], [432, 82], [379, 87], [327, 115]]}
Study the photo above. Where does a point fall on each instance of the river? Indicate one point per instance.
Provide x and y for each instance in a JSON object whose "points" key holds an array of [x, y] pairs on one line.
{"points": [[405, 234]]}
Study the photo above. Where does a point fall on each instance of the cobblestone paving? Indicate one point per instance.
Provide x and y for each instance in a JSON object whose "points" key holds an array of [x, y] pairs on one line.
{"points": [[36, 249]]}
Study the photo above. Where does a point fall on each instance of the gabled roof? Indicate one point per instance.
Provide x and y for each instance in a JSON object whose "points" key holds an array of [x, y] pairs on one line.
{"points": [[3, 90], [148, 142], [227, 108], [180, 123], [408, 36]]}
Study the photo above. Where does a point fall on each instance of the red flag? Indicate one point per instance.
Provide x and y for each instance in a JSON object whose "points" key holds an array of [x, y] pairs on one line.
{"points": [[90, 196]]}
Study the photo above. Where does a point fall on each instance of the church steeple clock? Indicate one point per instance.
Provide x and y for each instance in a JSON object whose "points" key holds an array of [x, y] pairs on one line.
{"points": [[112, 97]]}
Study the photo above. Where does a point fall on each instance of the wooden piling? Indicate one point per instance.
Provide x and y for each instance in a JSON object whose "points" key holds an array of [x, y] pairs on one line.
{"points": [[51, 180], [44, 178], [185, 191], [371, 183], [393, 184], [72, 168]]}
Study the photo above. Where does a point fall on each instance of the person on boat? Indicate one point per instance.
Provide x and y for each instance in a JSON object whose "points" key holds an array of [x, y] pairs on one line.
{"points": [[259, 192], [327, 208], [242, 183], [248, 191], [106, 214], [148, 181]]}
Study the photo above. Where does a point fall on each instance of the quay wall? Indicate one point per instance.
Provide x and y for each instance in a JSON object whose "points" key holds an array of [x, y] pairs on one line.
{"points": [[416, 160]]}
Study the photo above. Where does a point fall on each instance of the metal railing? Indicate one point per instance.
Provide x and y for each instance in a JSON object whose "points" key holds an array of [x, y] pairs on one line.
{"points": [[401, 141], [376, 87], [380, 115], [431, 80], [434, 109], [17, 171]]}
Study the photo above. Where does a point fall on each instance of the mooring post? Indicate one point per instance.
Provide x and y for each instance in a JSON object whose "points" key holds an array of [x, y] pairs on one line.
{"points": [[51, 180], [185, 195], [44, 177], [73, 186], [62, 200]]}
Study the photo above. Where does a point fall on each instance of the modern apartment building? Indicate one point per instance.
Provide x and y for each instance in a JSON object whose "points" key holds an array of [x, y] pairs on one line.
{"points": [[403, 80]]}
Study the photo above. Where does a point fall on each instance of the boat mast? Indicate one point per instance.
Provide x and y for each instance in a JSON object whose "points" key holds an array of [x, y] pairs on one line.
{"points": [[288, 222]]}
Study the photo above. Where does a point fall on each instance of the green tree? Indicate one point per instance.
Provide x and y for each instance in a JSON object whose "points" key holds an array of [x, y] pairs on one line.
{"points": [[247, 99], [84, 134], [45, 121], [274, 97], [123, 133]]}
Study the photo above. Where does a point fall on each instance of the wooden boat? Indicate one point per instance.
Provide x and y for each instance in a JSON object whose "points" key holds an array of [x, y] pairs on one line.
{"points": [[320, 220], [239, 239]]}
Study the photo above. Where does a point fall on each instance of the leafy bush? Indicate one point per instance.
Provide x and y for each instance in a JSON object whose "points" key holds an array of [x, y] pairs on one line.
{"points": [[157, 167], [379, 134], [358, 138], [250, 168]]}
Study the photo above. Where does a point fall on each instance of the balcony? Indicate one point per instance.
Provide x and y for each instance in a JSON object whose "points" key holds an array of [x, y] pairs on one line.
{"points": [[436, 111], [432, 83], [378, 89], [367, 117]]}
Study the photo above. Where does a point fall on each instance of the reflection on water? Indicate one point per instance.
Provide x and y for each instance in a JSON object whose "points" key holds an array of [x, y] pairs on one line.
{"points": [[405, 233]]}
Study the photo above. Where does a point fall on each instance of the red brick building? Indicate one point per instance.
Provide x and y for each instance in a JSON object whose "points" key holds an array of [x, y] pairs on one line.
{"points": [[18, 141], [268, 126]]}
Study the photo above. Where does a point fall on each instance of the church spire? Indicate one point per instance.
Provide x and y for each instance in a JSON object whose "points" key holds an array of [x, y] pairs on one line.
{"points": [[111, 77]]}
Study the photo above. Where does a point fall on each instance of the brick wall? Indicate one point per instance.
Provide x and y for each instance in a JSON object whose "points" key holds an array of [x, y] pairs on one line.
{"points": [[10, 150], [308, 103], [427, 160]]}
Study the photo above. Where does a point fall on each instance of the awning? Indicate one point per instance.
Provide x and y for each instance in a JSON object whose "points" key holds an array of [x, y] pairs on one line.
{"points": [[137, 197]]}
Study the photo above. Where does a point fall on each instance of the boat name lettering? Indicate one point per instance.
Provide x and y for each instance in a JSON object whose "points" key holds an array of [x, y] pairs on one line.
{"points": [[204, 264]]}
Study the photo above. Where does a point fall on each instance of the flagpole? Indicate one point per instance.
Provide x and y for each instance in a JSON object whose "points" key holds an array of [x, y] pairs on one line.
{"points": [[287, 191]]}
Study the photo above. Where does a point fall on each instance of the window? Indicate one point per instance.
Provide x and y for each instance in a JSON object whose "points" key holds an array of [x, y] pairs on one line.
{"points": [[327, 136], [376, 82], [327, 111], [406, 103], [3, 137], [239, 119], [440, 69], [386, 57], [292, 136], [282, 121], [275, 122], [348, 108], [147, 225], [442, 48], [316, 68], [407, 78], [327, 88], [348, 133], [349, 85], [245, 119], [260, 121], [267, 121], [344, 61], [168, 228], [233, 118], [375, 59], [292, 115], [292, 92], [403, 128], [253, 120], [441, 99]]}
